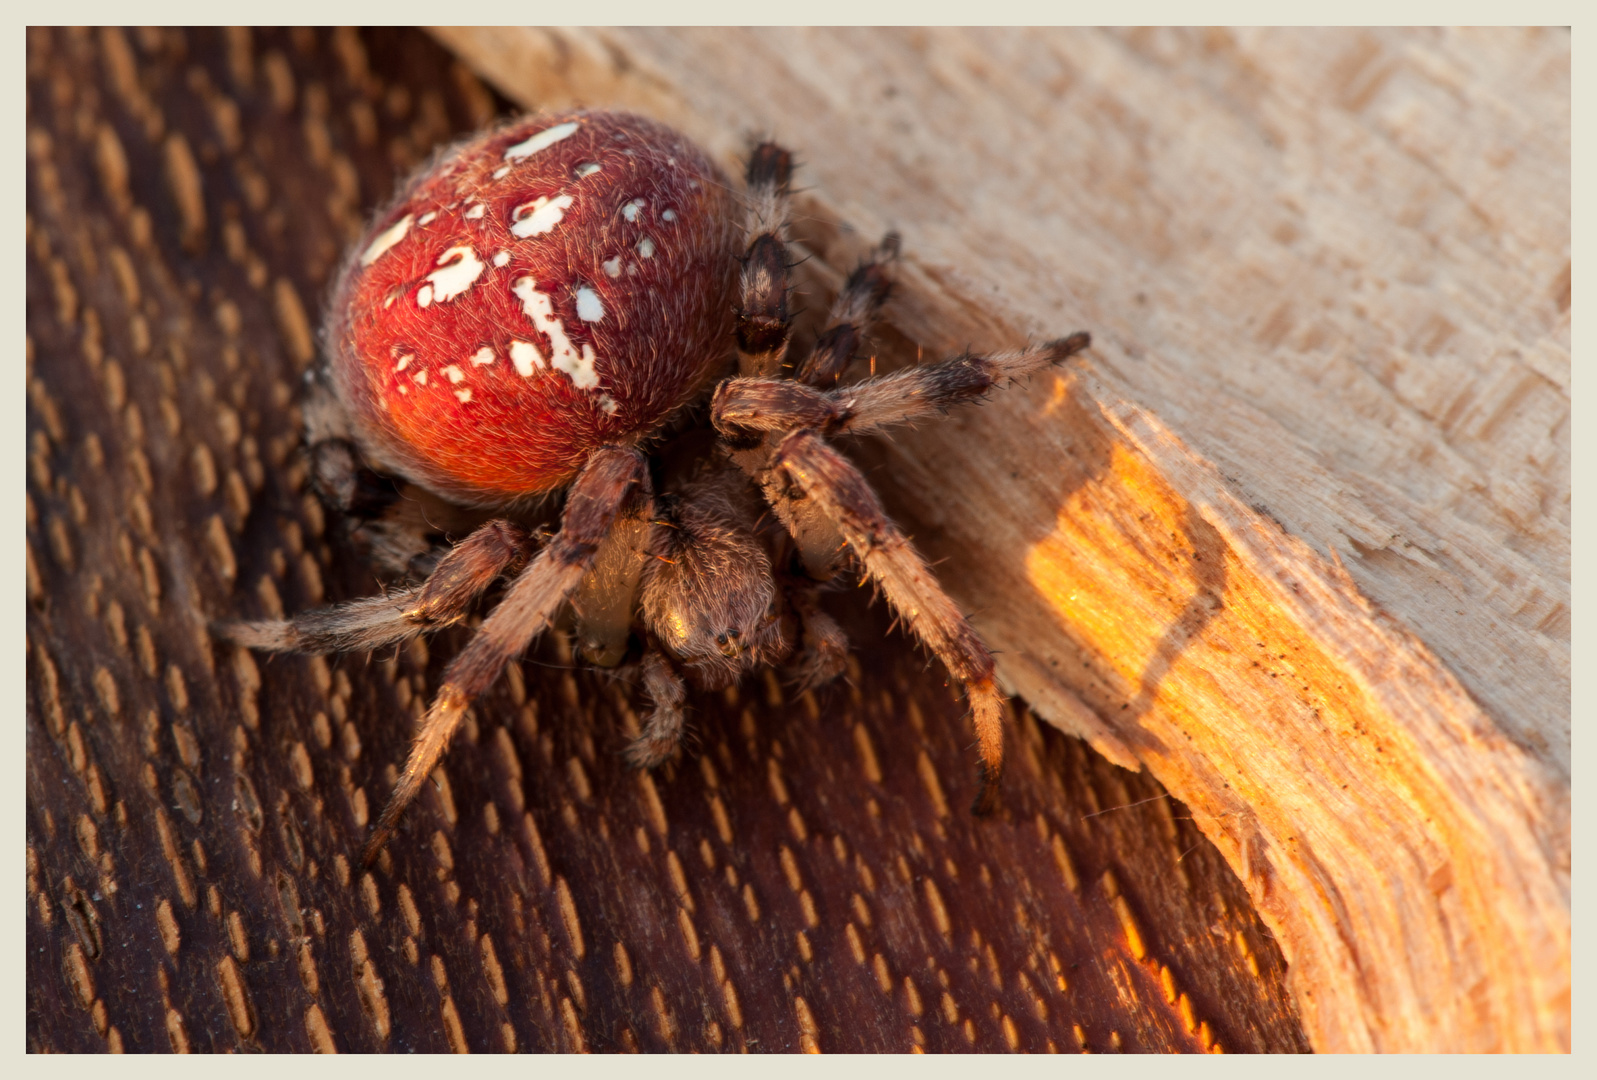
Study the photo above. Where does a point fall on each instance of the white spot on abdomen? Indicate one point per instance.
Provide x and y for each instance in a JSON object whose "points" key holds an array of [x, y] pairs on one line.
{"points": [[646, 248], [453, 373], [424, 296], [385, 240], [526, 357], [449, 281], [427, 218], [501, 172], [564, 356], [608, 404], [541, 141], [421, 378], [501, 258], [580, 368], [464, 395], [404, 362], [631, 209], [612, 267], [588, 169], [482, 356], [538, 217], [589, 307], [476, 210]]}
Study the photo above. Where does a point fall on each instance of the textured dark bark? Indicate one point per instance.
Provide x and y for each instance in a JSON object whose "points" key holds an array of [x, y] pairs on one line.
{"points": [[805, 877]]}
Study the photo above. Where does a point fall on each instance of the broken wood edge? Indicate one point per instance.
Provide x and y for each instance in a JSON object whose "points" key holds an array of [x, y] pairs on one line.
{"points": [[1379, 958]]}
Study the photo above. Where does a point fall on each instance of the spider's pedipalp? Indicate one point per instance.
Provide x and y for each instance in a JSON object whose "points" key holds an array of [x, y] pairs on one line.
{"points": [[830, 482], [598, 496], [362, 625], [763, 320], [662, 730], [825, 645], [855, 309]]}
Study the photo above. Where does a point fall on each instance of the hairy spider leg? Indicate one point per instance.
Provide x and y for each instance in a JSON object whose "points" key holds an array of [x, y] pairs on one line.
{"points": [[763, 320], [744, 405], [442, 600], [612, 476], [830, 481], [858, 304]]}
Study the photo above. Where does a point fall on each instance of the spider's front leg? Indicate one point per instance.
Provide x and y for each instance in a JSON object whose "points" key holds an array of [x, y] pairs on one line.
{"points": [[830, 482], [744, 406], [613, 476]]}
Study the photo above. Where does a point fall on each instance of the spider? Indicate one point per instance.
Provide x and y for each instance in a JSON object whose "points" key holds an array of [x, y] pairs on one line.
{"points": [[555, 306]]}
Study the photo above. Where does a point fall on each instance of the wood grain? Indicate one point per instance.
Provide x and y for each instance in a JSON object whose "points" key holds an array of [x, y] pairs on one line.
{"points": [[804, 878], [1295, 536]]}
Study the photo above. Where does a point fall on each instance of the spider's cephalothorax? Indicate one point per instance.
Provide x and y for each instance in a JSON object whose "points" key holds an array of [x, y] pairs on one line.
{"points": [[540, 310]]}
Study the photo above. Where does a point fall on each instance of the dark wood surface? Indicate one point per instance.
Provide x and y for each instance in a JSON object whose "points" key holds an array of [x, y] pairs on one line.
{"points": [[805, 877]]}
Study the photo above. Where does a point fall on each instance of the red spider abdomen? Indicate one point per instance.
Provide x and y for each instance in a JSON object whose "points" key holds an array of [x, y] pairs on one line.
{"points": [[543, 289]]}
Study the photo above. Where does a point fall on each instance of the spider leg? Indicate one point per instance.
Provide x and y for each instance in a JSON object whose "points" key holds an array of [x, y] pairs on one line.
{"points": [[744, 407], [598, 496], [763, 322], [832, 483], [461, 577], [856, 307], [662, 731]]}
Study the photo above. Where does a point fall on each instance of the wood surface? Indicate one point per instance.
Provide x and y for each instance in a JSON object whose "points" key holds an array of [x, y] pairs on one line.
{"points": [[805, 877], [1294, 536]]}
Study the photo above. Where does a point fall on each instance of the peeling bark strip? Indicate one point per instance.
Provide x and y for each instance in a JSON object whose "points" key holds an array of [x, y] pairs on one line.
{"points": [[1297, 537], [161, 437]]}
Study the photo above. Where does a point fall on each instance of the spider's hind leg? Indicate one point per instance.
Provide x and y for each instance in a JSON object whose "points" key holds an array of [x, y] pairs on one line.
{"points": [[463, 575], [397, 526]]}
